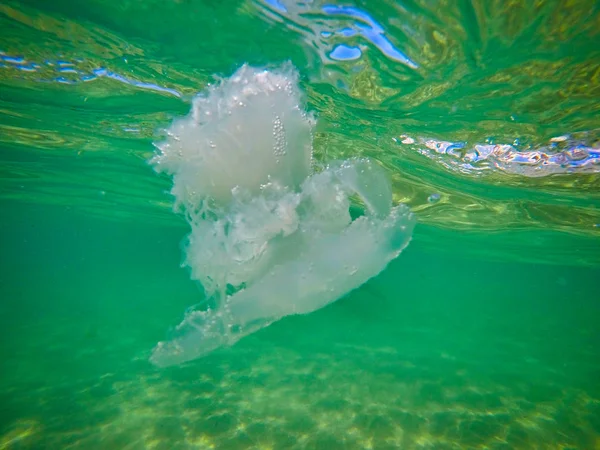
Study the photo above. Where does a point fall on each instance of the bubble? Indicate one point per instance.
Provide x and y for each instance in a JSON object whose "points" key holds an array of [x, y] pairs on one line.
{"points": [[434, 198]]}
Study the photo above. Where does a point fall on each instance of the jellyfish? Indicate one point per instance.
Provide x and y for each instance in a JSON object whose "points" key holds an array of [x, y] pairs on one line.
{"points": [[271, 234]]}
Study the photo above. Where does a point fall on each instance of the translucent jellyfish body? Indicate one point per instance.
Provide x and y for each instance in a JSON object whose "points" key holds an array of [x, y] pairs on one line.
{"points": [[269, 236]]}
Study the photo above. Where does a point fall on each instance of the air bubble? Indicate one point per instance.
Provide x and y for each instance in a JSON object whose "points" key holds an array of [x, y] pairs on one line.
{"points": [[434, 198]]}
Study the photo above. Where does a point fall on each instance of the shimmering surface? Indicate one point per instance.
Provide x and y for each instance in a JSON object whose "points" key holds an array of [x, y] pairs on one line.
{"points": [[493, 94]]}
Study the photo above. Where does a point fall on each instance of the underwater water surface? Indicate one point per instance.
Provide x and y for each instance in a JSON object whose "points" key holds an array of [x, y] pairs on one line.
{"points": [[318, 312]]}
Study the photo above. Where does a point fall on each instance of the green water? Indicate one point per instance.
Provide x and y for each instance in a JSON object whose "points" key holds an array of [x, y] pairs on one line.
{"points": [[482, 334]]}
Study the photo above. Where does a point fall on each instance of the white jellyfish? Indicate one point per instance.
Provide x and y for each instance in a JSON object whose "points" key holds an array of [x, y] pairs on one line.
{"points": [[269, 237]]}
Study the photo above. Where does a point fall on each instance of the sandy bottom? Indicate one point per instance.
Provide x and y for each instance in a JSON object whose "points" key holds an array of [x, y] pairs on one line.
{"points": [[259, 395]]}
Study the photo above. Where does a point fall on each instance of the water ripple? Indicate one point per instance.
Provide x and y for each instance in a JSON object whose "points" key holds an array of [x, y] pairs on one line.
{"points": [[370, 30], [68, 72], [336, 37], [561, 155]]}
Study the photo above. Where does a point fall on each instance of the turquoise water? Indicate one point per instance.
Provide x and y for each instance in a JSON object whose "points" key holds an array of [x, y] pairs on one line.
{"points": [[483, 333]]}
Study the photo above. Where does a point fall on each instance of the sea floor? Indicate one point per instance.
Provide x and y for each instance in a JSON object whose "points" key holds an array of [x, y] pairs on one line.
{"points": [[437, 352], [318, 392]]}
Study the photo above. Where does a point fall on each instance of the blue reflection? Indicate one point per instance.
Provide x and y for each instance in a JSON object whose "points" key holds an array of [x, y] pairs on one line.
{"points": [[352, 12], [344, 53], [12, 59], [347, 32], [68, 67], [522, 158], [434, 198], [543, 161], [276, 4], [372, 31], [101, 72]]}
